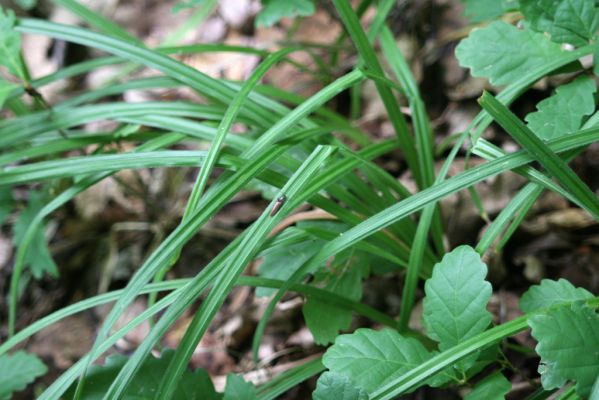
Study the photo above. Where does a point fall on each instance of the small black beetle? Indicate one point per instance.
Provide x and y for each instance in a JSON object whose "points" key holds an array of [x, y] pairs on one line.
{"points": [[278, 204]]}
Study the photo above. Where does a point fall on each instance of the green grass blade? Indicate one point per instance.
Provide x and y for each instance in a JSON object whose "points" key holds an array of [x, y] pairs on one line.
{"points": [[285, 381], [368, 57], [103, 24], [200, 82], [541, 152], [226, 123], [77, 166]]}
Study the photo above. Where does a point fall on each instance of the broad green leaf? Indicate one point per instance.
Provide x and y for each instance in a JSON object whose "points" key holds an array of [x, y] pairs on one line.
{"points": [[239, 389], [275, 10], [549, 293], [483, 10], [568, 341], [193, 385], [336, 386], [10, 43], [38, 255], [493, 387], [343, 277], [576, 22], [563, 112], [6, 89], [455, 305], [503, 53], [566, 21], [539, 13], [283, 262], [17, 371], [371, 358]]}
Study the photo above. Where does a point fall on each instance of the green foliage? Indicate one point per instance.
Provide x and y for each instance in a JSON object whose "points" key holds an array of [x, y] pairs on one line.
{"points": [[549, 293], [193, 385], [455, 306], [17, 371], [336, 386], [503, 53], [563, 112], [343, 277], [483, 10], [568, 341], [275, 10], [566, 21], [290, 149], [6, 204], [10, 44], [238, 389], [282, 261], [371, 358], [6, 88], [493, 387], [38, 257]]}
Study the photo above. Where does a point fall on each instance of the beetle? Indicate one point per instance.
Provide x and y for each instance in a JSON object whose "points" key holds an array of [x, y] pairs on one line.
{"points": [[278, 204]]}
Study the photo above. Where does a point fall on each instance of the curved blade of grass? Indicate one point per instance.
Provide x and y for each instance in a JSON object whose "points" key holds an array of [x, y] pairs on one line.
{"points": [[422, 127], [76, 166], [303, 110], [16, 131], [226, 123], [45, 148], [288, 379], [519, 206], [90, 65], [103, 24], [200, 82], [489, 151], [541, 152]]}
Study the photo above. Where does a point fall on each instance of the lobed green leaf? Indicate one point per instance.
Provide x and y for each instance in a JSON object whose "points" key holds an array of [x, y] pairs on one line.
{"points": [[566, 21], [563, 112], [17, 371], [372, 358], [503, 53], [568, 341], [455, 306], [549, 293], [331, 385], [493, 387]]}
